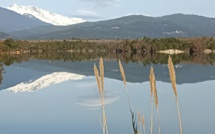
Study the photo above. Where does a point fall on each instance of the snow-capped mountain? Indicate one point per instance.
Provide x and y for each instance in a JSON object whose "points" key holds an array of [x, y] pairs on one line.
{"points": [[45, 15]]}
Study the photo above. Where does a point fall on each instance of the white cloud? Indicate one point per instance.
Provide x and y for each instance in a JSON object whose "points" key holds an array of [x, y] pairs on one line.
{"points": [[102, 3], [87, 14]]}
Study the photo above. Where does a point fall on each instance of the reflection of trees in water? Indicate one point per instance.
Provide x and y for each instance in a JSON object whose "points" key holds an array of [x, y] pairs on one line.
{"points": [[146, 59]]}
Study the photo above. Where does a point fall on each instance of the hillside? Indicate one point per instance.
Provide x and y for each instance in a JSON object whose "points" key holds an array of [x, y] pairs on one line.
{"points": [[12, 21], [134, 26], [4, 35]]}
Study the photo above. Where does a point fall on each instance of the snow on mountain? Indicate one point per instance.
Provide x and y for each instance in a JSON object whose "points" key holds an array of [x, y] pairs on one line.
{"points": [[45, 15], [45, 81]]}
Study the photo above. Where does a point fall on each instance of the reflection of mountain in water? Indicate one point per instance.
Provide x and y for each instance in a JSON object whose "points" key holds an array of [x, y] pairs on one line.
{"points": [[45, 81], [34, 69]]}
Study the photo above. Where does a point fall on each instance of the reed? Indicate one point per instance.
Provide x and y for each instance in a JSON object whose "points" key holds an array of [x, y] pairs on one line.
{"points": [[133, 118], [173, 81], [154, 93], [139, 121], [100, 84], [143, 124], [151, 93], [134, 124], [122, 72], [101, 67], [172, 76], [96, 73]]}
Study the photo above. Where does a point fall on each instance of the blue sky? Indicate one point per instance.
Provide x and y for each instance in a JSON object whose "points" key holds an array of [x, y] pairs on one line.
{"points": [[94, 10]]}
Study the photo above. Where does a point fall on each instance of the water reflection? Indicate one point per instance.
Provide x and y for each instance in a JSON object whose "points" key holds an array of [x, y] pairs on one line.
{"points": [[70, 106], [45, 81]]}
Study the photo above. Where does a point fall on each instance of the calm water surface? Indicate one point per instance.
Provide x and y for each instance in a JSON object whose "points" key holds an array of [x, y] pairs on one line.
{"points": [[58, 97]]}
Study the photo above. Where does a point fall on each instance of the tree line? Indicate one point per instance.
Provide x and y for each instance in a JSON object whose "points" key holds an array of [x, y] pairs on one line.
{"points": [[141, 45]]}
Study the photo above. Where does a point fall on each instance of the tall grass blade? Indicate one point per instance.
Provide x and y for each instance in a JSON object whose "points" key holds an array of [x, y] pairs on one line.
{"points": [[173, 81], [122, 72], [143, 124], [154, 93], [172, 76], [134, 125], [101, 67], [100, 83], [98, 80]]}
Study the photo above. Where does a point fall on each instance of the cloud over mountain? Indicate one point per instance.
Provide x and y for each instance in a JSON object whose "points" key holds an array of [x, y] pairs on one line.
{"points": [[102, 3]]}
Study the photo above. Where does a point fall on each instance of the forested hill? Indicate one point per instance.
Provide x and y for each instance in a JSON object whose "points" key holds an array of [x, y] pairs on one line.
{"points": [[134, 26]]}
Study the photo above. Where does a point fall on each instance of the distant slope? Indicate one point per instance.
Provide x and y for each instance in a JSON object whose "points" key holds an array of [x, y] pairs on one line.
{"points": [[11, 21], [134, 26], [4, 35], [45, 16], [199, 25]]}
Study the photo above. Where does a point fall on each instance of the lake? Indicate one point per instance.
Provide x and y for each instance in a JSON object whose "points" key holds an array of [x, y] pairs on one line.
{"points": [[58, 96]]}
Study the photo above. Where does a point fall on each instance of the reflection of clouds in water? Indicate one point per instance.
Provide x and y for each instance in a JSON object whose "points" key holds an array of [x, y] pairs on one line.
{"points": [[92, 101], [45, 81]]}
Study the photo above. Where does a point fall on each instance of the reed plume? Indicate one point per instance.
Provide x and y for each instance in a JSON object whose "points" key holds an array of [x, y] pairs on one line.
{"points": [[172, 76], [122, 72], [100, 84], [96, 73], [154, 94], [101, 67], [153, 86], [173, 81]]}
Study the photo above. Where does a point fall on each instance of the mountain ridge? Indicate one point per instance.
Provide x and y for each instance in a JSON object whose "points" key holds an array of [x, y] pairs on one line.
{"points": [[126, 27], [44, 15], [12, 21], [133, 26]]}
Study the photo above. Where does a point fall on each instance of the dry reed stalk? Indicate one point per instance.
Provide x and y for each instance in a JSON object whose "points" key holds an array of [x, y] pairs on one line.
{"points": [[172, 76], [122, 72], [101, 67], [143, 124], [129, 102], [105, 130], [139, 121], [98, 80], [153, 86], [100, 83], [173, 81], [154, 93]]}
